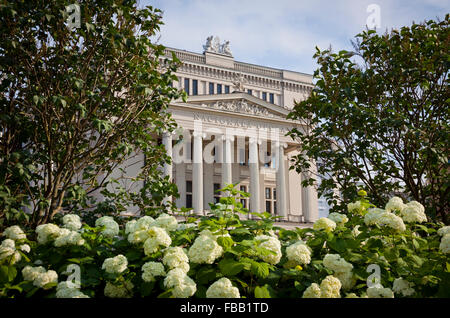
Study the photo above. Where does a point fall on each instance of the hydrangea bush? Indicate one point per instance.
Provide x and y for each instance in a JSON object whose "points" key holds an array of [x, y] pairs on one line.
{"points": [[224, 255]]}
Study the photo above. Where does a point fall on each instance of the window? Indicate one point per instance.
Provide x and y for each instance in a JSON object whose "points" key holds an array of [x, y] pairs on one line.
{"points": [[271, 98], [194, 87], [186, 85], [219, 88], [211, 88], [189, 194], [244, 201], [227, 89], [242, 161], [271, 199], [249, 91], [216, 192], [264, 96]]}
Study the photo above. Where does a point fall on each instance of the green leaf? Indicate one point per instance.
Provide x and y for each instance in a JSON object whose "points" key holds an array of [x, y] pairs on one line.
{"points": [[230, 267], [261, 270], [264, 291], [225, 241]]}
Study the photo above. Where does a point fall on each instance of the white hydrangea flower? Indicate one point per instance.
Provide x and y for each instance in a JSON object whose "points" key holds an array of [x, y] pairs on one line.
{"points": [[31, 273], [25, 248], [47, 232], [64, 290], [167, 222], [152, 269], [157, 238], [299, 252], [393, 221], [68, 237], [272, 244], [111, 226], [176, 257], [395, 204], [444, 230], [72, 222], [347, 279], [115, 265], [355, 207], [45, 278], [444, 246], [351, 295], [205, 250], [313, 291], [372, 216], [138, 230], [123, 291], [336, 263], [7, 249], [338, 218], [402, 286], [330, 287], [324, 224], [183, 286], [14, 233], [414, 212], [356, 231], [379, 292], [222, 288]]}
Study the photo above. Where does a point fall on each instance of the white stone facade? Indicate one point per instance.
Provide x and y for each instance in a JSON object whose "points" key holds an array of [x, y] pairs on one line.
{"points": [[232, 130]]}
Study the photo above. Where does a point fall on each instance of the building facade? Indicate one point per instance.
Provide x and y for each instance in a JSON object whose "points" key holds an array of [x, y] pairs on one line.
{"points": [[232, 129]]}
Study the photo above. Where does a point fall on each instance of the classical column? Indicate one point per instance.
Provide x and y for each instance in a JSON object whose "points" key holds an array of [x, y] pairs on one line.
{"points": [[309, 199], [167, 170], [253, 165], [281, 180], [227, 160], [197, 173]]}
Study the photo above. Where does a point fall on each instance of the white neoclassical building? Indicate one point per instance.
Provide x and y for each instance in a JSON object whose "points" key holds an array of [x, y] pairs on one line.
{"points": [[232, 130]]}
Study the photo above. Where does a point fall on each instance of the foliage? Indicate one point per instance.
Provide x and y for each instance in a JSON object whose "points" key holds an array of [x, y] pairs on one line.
{"points": [[412, 254], [78, 105], [380, 116]]}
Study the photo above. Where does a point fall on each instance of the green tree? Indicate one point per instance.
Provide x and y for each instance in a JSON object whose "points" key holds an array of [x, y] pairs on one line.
{"points": [[76, 101], [380, 116]]}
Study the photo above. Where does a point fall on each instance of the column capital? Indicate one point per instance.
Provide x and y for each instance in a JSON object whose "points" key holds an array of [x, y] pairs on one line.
{"points": [[253, 140], [281, 144], [227, 137], [200, 134]]}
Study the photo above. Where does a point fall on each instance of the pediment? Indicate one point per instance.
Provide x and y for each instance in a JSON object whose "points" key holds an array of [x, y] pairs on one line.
{"points": [[239, 103]]}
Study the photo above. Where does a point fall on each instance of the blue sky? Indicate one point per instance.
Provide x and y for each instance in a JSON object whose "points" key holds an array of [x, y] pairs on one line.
{"points": [[282, 33]]}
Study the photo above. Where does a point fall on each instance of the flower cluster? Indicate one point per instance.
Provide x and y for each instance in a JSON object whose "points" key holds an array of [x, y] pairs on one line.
{"points": [[379, 292], [183, 286], [66, 289], [157, 237], [152, 269], [47, 232], [39, 276], [355, 207], [380, 217], [205, 249], [338, 218], [329, 288], [14, 233], [176, 257], [167, 222], [341, 268], [71, 222], [115, 265], [7, 249], [111, 226], [222, 288], [403, 287], [299, 253], [272, 244], [325, 224], [68, 237]]}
